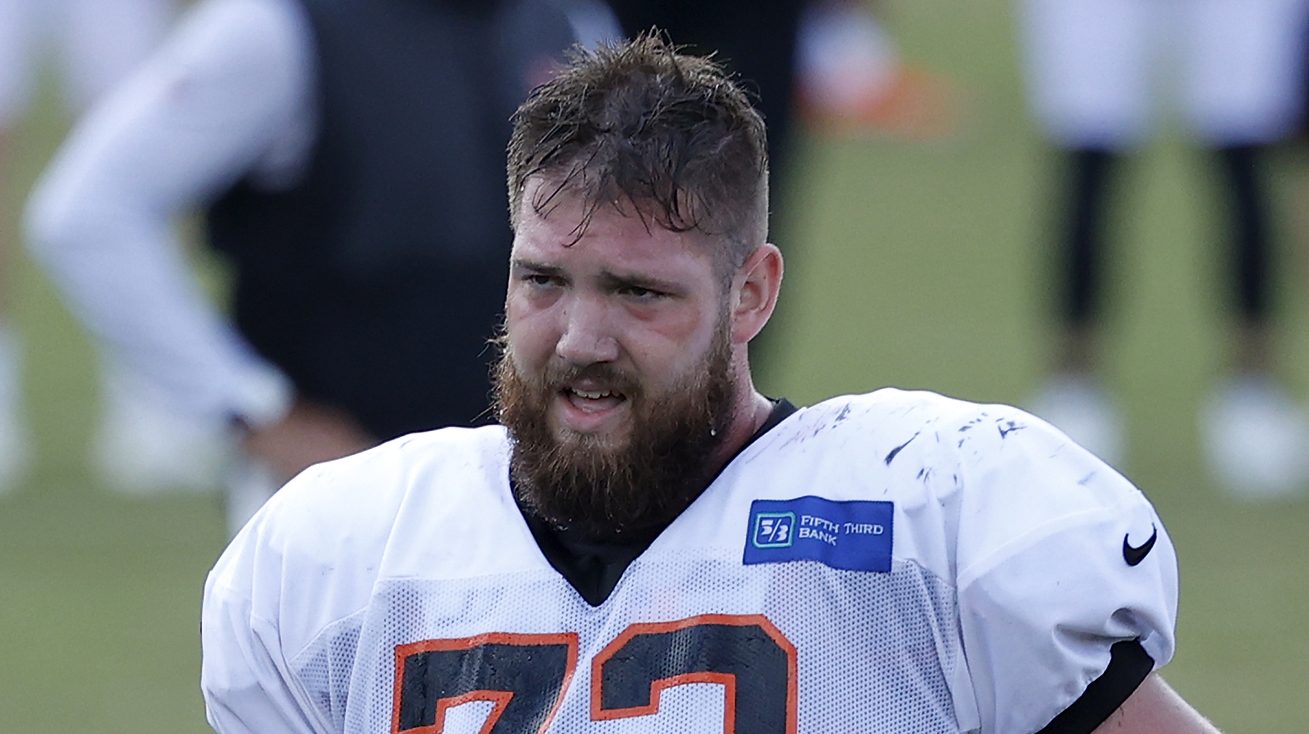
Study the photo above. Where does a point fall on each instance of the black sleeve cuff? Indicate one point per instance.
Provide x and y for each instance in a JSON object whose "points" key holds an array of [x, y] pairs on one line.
{"points": [[1129, 664]]}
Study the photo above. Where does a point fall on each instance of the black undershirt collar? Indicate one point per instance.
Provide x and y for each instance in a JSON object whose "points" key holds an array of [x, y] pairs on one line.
{"points": [[594, 568]]}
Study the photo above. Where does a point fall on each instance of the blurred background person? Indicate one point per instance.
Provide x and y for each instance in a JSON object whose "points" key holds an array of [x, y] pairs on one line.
{"points": [[347, 158], [1094, 68], [141, 443]]}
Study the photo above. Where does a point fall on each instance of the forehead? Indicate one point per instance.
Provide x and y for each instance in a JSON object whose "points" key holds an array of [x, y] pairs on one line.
{"points": [[557, 228]]}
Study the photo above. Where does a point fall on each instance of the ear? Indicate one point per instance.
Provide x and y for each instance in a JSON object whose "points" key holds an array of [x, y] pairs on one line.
{"points": [[754, 292]]}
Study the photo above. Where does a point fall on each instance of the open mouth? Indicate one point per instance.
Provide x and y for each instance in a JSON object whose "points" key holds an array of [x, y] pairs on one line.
{"points": [[591, 407], [593, 400]]}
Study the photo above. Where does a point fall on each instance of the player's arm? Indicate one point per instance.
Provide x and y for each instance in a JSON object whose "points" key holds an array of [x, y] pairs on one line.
{"points": [[1155, 708], [195, 118]]}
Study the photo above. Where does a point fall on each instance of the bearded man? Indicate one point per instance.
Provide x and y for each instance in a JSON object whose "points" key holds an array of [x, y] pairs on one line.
{"points": [[647, 543]]}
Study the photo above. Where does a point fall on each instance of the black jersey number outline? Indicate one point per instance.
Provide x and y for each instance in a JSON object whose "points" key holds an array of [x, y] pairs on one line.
{"points": [[522, 675], [746, 654]]}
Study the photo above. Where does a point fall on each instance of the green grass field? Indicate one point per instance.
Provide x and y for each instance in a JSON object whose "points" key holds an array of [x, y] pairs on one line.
{"points": [[914, 265]]}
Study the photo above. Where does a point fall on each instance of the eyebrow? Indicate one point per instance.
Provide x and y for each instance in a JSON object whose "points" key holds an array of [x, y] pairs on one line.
{"points": [[608, 279], [520, 263], [615, 281]]}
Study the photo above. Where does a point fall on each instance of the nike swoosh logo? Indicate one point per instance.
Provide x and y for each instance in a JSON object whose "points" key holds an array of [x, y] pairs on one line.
{"points": [[1135, 554]]}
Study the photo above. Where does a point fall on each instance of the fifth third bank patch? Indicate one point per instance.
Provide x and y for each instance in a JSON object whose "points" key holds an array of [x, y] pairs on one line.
{"points": [[849, 535]]}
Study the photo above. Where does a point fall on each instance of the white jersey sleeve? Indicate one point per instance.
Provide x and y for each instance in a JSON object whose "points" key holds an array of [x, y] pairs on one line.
{"points": [[1059, 557], [247, 688], [306, 565], [277, 585], [245, 677], [213, 105]]}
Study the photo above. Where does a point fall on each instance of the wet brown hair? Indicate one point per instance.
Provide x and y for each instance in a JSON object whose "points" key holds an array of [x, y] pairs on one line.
{"points": [[652, 132]]}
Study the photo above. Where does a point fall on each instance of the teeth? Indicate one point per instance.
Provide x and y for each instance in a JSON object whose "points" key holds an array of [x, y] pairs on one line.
{"points": [[592, 395]]}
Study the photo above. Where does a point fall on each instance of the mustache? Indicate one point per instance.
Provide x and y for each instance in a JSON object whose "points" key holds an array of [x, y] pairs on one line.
{"points": [[556, 376]]}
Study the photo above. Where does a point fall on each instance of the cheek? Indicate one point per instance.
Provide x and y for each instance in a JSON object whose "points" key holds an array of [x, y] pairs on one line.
{"points": [[528, 341], [665, 347]]}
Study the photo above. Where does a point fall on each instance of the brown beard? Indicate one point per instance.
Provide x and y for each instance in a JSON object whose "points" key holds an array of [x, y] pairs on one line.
{"points": [[625, 490]]}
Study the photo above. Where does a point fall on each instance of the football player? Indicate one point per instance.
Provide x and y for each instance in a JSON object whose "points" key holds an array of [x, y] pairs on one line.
{"points": [[648, 544]]}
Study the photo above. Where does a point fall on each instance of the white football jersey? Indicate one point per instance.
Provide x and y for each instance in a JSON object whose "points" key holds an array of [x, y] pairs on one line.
{"points": [[890, 562]]}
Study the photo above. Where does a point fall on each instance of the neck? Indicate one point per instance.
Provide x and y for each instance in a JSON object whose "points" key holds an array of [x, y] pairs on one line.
{"points": [[752, 411]]}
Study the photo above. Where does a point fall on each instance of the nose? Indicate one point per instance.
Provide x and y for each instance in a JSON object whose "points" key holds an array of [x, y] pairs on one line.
{"points": [[585, 336]]}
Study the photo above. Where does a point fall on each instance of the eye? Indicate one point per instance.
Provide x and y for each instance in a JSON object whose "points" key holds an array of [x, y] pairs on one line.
{"points": [[539, 280], [638, 293]]}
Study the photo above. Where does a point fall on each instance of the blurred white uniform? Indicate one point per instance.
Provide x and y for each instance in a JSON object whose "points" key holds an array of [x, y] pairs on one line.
{"points": [[227, 95], [97, 42], [895, 561], [1096, 67]]}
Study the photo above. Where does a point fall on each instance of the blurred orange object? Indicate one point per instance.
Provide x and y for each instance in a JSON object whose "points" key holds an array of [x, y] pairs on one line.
{"points": [[905, 103]]}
